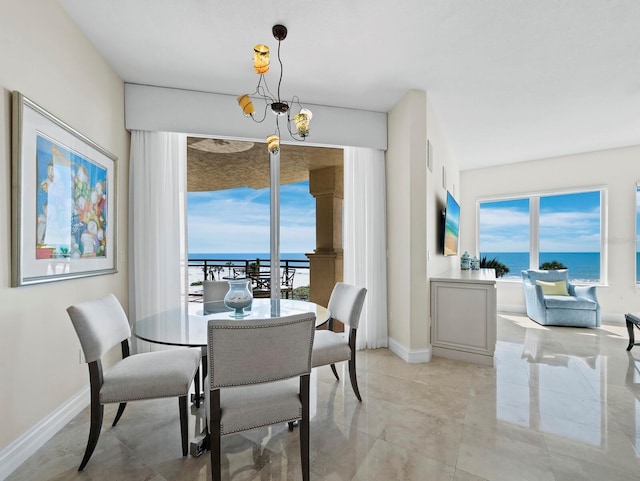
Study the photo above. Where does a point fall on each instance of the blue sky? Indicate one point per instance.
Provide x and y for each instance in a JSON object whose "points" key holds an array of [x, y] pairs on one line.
{"points": [[237, 220], [568, 223]]}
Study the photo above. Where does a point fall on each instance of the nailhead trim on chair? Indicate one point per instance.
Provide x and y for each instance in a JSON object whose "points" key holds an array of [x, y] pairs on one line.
{"points": [[223, 433]]}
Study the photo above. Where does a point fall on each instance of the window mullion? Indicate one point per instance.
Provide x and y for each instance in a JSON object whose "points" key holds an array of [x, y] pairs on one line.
{"points": [[534, 232]]}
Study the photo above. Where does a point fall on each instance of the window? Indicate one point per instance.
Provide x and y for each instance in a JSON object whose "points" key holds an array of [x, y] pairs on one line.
{"points": [[562, 228], [505, 233]]}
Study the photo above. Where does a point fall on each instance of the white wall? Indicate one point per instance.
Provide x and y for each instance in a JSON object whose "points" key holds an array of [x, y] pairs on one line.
{"points": [[437, 194], [617, 169], [406, 222], [45, 57], [415, 197]]}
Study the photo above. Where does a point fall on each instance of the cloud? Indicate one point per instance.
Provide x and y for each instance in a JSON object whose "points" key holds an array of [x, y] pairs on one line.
{"points": [[506, 229], [238, 220]]}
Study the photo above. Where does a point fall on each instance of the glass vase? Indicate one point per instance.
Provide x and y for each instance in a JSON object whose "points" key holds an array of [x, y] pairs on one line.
{"points": [[238, 297]]}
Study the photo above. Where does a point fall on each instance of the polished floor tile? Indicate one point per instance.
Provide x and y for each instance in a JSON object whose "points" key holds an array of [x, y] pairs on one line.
{"points": [[560, 404]]}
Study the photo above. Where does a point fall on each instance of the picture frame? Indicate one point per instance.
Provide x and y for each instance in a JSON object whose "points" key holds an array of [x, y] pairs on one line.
{"points": [[63, 200]]}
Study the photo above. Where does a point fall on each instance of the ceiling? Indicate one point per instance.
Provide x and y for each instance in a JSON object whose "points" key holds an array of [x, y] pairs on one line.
{"points": [[509, 80]]}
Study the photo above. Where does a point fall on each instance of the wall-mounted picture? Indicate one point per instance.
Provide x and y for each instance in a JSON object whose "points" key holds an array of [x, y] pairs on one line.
{"points": [[64, 206], [451, 227]]}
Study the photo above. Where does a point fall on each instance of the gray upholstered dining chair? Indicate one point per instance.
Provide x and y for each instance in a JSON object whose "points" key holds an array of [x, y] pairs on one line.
{"points": [[259, 373], [214, 290], [102, 324], [329, 347]]}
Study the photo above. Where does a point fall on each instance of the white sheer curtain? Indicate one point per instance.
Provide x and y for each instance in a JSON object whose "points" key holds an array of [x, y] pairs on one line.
{"points": [[365, 240], [157, 222]]}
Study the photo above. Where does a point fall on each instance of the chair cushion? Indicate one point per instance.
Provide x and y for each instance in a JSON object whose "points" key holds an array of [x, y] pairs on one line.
{"points": [[250, 407], [569, 302], [553, 288], [150, 375], [330, 347]]}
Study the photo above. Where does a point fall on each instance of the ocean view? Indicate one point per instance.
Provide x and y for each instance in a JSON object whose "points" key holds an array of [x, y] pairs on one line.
{"points": [[583, 266]]}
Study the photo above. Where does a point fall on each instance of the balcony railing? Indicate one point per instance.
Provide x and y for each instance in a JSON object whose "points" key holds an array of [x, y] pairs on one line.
{"points": [[294, 273]]}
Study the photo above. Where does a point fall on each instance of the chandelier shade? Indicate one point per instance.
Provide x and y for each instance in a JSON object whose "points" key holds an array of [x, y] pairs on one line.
{"points": [[273, 144], [302, 122], [246, 105], [261, 58], [297, 124]]}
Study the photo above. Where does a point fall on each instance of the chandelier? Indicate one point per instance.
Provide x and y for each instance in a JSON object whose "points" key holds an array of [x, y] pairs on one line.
{"points": [[298, 126]]}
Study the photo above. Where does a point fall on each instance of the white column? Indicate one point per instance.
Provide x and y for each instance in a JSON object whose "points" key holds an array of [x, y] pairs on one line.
{"points": [[274, 166]]}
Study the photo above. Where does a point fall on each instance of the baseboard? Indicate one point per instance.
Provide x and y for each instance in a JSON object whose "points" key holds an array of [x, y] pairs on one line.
{"points": [[408, 355], [612, 318], [514, 309], [463, 356], [19, 451]]}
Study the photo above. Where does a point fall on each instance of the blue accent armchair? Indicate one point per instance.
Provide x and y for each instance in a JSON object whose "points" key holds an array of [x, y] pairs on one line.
{"points": [[580, 308]]}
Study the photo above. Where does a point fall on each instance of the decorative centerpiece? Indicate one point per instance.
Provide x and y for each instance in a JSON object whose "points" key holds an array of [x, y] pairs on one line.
{"points": [[238, 297]]}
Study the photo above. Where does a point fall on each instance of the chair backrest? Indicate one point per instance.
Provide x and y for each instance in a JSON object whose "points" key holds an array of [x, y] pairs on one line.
{"points": [[552, 275], [214, 290], [287, 277], [243, 352], [100, 324], [345, 303]]}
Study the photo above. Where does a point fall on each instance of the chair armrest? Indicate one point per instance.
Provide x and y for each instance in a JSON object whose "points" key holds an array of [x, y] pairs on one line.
{"points": [[534, 300], [585, 291], [533, 292]]}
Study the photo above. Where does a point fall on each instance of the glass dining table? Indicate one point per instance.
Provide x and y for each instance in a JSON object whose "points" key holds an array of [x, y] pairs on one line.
{"points": [[187, 325]]}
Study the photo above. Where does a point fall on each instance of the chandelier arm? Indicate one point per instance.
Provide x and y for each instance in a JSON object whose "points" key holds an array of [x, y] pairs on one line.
{"points": [[263, 91], [266, 106], [296, 100], [294, 135]]}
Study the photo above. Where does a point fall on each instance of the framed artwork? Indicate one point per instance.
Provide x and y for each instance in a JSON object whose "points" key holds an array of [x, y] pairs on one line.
{"points": [[63, 200]]}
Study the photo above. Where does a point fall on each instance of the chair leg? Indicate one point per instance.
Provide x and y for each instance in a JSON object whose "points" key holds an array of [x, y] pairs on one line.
{"points": [[119, 413], [184, 426], [352, 376], [216, 453], [335, 373], [196, 388], [97, 412], [215, 436], [304, 427]]}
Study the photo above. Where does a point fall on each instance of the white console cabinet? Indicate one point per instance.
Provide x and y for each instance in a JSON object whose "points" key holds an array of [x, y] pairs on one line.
{"points": [[463, 315]]}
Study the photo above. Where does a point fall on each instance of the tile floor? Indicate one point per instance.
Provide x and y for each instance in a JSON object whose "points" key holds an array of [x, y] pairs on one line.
{"points": [[560, 404]]}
